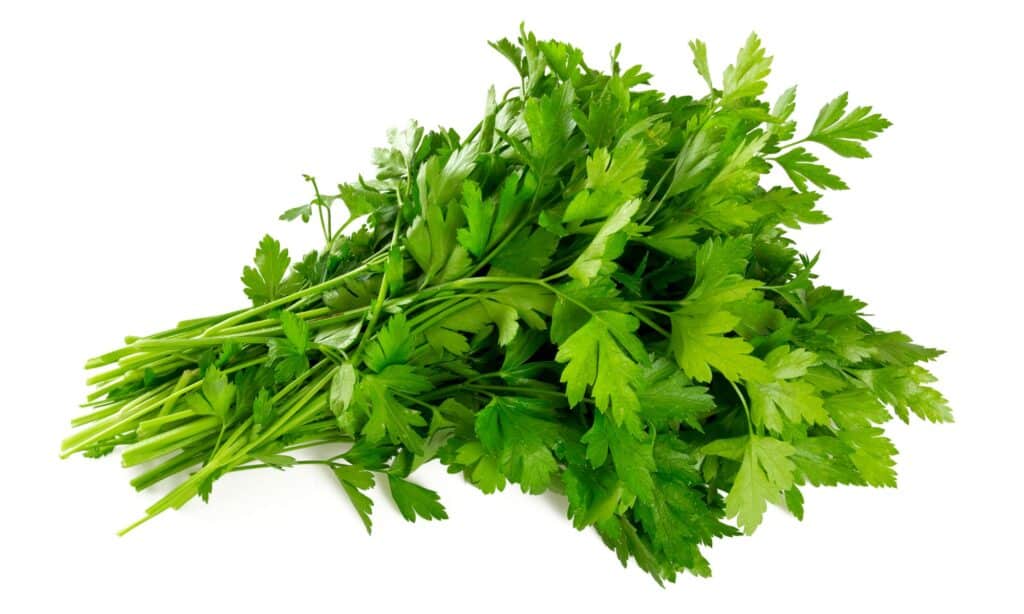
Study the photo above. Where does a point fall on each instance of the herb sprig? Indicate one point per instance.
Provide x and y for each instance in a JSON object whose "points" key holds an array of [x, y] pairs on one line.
{"points": [[591, 292]]}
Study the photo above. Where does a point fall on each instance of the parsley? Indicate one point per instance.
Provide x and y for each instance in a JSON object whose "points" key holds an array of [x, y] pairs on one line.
{"points": [[591, 292]]}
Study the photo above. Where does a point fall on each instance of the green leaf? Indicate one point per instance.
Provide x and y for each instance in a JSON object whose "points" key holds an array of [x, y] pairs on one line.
{"points": [[482, 467], [403, 378], [277, 461], [781, 396], [393, 344], [478, 316], [527, 255], [802, 166], [632, 457], [550, 123], [680, 518], [369, 455], [872, 455], [604, 248], [783, 128], [905, 388], [732, 448], [441, 338], [605, 355], [353, 294], [789, 207], [719, 279], [343, 388], [353, 481], [668, 397], [611, 181], [699, 343], [262, 409], [339, 337], [288, 355], [359, 200], [699, 327], [431, 239], [765, 473], [593, 496], [217, 395], [266, 281], [700, 61], [602, 121], [390, 418], [415, 501], [843, 134], [746, 78], [295, 330], [674, 239], [520, 433], [439, 182], [694, 163], [302, 211], [503, 309], [479, 218], [825, 461]]}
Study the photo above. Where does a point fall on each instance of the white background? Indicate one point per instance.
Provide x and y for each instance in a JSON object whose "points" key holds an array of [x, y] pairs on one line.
{"points": [[145, 150]]}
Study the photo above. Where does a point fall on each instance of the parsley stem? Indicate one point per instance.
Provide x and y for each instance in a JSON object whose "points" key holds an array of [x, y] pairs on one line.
{"points": [[126, 365], [326, 462], [646, 306], [94, 416], [272, 323], [425, 321], [165, 442], [378, 303], [652, 325], [519, 390], [746, 408], [131, 412], [310, 291], [320, 208]]}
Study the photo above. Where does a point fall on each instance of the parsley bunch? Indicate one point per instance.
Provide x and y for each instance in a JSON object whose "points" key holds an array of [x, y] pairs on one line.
{"points": [[591, 292]]}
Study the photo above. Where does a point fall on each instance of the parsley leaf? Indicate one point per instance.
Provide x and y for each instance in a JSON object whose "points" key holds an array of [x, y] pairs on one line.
{"points": [[353, 481], [802, 167], [745, 78], [266, 281], [633, 458], [606, 246], [479, 217], [415, 501], [288, 354], [520, 433], [700, 60], [842, 133], [782, 396], [387, 416], [766, 471], [605, 355]]}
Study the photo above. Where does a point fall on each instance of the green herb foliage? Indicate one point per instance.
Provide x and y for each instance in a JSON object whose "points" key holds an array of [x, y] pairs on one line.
{"points": [[592, 292]]}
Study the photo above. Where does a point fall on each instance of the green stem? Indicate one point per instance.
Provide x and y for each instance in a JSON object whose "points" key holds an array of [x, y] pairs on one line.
{"points": [[746, 408], [378, 303], [321, 206], [651, 324], [310, 291], [134, 411], [158, 445]]}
